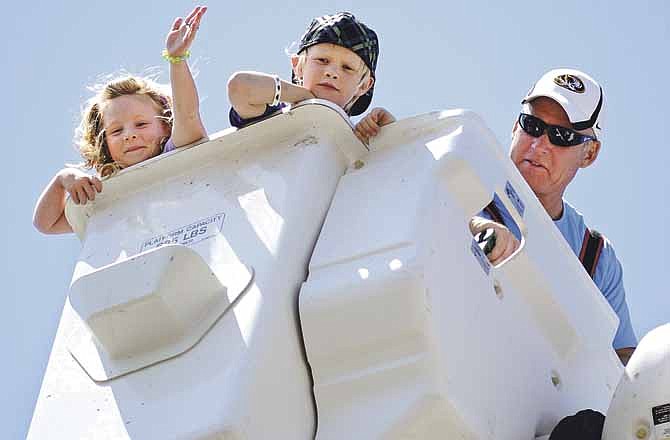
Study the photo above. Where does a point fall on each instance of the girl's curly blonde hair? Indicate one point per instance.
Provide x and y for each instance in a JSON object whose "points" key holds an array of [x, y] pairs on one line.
{"points": [[90, 136]]}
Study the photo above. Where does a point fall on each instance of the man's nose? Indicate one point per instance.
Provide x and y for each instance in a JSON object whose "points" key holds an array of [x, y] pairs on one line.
{"points": [[541, 144]]}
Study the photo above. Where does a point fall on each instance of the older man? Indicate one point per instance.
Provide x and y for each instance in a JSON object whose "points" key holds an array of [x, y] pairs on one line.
{"points": [[557, 133]]}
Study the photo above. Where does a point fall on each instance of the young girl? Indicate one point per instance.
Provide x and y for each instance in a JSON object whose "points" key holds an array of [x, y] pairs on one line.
{"points": [[336, 60], [129, 120]]}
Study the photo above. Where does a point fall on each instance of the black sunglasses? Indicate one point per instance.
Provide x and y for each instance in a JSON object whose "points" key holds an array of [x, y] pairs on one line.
{"points": [[559, 136]]}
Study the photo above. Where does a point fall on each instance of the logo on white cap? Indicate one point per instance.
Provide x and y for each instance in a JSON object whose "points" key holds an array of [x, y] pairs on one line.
{"points": [[570, 82]]}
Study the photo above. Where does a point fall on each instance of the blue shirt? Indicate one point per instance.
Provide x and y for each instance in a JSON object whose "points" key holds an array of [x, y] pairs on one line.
{"points": [[608, 276]]}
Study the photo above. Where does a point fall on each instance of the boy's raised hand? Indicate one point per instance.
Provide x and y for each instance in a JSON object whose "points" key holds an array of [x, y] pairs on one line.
{"points": [[369, 126], [183, 32], [79, 185]]}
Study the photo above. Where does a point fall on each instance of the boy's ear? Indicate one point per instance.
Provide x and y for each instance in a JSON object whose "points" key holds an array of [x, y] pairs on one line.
{"points": [[297, 66], [365, 85]]}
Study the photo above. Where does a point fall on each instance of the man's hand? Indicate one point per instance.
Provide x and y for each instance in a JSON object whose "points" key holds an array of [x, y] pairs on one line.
{"points": [[79, 185], [369, 126], [506, 242]]}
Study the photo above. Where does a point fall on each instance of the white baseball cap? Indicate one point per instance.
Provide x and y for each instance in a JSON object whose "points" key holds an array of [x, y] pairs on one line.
{"points": [[580, 96]]}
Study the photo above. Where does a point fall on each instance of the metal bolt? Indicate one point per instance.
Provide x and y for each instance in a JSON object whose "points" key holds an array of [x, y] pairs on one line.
{"points": [[642, 432], [359, 164], [498, 289], [555, 379]]}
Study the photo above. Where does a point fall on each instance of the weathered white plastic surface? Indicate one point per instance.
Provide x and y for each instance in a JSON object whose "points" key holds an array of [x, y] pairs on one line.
{"points": [[148, 308], [640, 408], [409, 336], [253, 199]]}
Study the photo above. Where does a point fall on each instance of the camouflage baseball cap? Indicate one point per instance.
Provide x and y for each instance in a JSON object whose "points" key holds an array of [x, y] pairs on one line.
{"points": [[345, 30]]}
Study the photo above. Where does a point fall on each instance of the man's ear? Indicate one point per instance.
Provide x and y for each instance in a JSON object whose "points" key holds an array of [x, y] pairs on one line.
{"points": [[590, 153]]}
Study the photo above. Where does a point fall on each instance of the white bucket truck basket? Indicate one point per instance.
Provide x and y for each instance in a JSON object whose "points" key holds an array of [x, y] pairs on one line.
{"points": [[411, 333], [181, 322], [640, 408]]}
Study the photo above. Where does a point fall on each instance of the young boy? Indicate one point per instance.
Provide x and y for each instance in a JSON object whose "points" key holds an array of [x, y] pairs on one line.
{"points": [[336, 61]]}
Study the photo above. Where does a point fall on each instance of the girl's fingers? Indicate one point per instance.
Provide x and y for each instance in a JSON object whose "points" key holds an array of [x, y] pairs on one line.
{"points": [[74, 197], [198, 16], [81, 195], [195, 25], [89, 190], [193, 13], [188, 26], [97, 183], [195, 22]]}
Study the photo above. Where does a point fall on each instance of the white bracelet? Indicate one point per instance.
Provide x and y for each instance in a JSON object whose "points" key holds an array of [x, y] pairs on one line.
{"points": [[275, 101]]}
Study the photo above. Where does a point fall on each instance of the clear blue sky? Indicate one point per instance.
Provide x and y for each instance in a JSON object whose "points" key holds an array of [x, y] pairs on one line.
{"points": [[481, 55]]}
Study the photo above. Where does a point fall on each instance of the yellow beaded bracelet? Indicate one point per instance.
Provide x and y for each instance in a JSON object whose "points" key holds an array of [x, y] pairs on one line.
{"points": [[175, 59]]}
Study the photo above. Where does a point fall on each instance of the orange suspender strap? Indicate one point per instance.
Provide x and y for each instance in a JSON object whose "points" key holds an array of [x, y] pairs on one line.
{"points": [[592, 245]]}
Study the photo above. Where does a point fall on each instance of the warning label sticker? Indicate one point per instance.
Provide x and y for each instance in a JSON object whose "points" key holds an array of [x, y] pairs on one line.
{"points": [[661, 417], [188, 234], [514, 198]]}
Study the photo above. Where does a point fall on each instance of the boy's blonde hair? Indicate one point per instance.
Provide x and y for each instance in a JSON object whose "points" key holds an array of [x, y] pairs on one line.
{"points": [[90, 136]]}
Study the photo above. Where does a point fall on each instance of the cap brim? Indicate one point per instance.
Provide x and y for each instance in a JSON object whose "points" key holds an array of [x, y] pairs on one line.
{"points": [[574, 113], [560, 99]]}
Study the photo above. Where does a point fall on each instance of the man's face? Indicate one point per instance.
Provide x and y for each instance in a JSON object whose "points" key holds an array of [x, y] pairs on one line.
{"points": [[547, 168]]}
